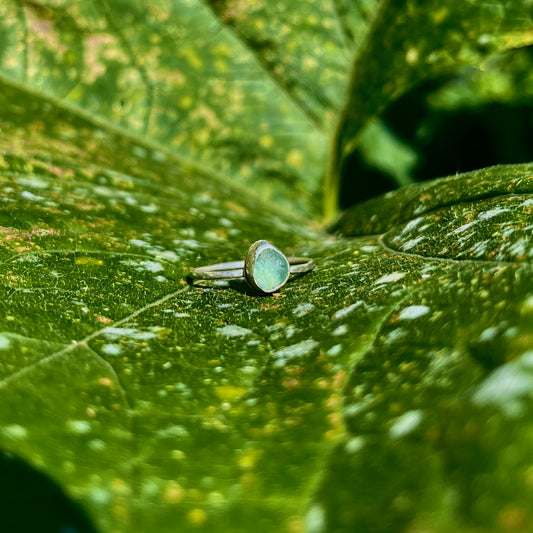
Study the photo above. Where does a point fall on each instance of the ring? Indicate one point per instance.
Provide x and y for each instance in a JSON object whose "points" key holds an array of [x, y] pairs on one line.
{"points": [[265, 268]]}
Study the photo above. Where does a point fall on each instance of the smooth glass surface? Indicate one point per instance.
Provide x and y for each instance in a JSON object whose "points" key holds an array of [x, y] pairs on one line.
{"points": [[271, 270]]}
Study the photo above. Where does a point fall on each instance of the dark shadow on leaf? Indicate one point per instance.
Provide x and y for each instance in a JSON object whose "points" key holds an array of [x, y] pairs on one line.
{"points": [[31, 502], [238, 285], [447, 140]]}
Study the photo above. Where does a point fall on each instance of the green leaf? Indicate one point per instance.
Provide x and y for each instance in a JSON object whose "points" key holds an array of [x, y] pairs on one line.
{"points": [[373, 393], [414, 40], [173, 78], [130, 380], [503, 80], [438, 411]]}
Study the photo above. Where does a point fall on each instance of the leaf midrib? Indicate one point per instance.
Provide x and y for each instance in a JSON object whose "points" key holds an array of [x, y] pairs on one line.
{"points": [[133, 138]]}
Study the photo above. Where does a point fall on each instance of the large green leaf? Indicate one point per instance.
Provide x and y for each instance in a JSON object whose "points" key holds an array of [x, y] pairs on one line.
{"points": [[157, 404], [438, 411], [388, 389]]}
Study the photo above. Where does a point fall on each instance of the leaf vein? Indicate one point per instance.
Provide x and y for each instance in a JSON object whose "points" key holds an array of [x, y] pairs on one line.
{"points": [[85, 341]]}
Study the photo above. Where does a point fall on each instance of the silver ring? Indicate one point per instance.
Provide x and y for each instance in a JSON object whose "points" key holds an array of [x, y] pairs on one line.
{"points": [[265, 268]]}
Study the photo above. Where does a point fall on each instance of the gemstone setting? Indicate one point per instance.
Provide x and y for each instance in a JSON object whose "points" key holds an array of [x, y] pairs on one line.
{"points": [[266, 269]]}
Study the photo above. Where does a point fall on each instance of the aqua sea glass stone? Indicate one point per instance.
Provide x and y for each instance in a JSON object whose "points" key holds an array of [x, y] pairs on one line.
{"points": [[270, 270], [265, 268]]}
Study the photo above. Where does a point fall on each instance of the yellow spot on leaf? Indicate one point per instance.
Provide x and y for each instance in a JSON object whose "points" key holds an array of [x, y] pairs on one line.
{"points": [[335, 420], [214, 424], [235, 208], [202, 136], [295, 525], [162, 331], [266, 141], [174, 493], [221, 65], [322, 383], [291, 383], [439, 15], [106, 382], [229, 392], [513, 518], [332, 434], [215, 497], [120, 510], [186, 102], [295, 159], [309, 63], [518, 39], [197, 516], [89, 261], [192, 57], [223, 49], [411, 56], [178, 455], [120, 486], [259, 24], [249, 458]]}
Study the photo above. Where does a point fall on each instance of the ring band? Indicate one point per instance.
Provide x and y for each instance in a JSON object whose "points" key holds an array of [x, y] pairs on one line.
{"points": [[265, 268]]}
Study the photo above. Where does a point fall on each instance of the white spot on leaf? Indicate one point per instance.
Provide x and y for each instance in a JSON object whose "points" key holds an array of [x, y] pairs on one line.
{"points": [[233, 331], [355, 445], [335, 350], [491, 213], [111, 349], [316, 519], [463, 228], [140, 243], [341, 330], [27, 195], [488, 334], [153, 266], [405, 424], [303, 309], [5, 342], [413, 311], [395, 276], [78, 427], [295, 351], [341, 313], [412, 224], [508, 386], [14, 432]]}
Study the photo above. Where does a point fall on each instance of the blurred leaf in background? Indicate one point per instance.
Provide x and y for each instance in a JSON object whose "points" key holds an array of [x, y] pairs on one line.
{"points": [[471, 118]]}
